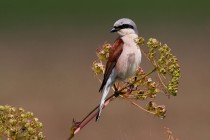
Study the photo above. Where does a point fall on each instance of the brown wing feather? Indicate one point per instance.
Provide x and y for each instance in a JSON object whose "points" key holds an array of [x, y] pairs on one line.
{"points": [[114, 54]]}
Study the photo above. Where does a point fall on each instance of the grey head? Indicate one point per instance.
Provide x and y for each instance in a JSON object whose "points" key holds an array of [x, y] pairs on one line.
{"points": [[124, 26]]}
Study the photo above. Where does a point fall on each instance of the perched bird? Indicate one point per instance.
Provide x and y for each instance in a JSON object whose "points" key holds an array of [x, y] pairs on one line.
{"points": [[124, 57]]}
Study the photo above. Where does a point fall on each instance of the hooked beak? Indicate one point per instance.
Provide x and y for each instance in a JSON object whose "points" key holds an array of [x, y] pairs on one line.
{"points": [[114, 29]]}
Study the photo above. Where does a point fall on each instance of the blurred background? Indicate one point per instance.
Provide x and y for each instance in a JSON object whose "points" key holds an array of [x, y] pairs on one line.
{"points": [[47, 48]]}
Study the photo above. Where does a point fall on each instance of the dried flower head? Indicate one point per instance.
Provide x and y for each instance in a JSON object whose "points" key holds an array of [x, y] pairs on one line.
{"points": [[158, 110], [17, 124], [103, 53], [98, 68], [166, 64]]}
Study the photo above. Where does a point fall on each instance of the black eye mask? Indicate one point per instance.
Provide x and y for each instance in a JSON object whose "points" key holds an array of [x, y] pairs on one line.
{"points": [[124, 26]]}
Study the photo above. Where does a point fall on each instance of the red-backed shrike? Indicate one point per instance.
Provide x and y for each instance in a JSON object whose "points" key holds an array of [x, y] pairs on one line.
{"points": [[124, 57]]}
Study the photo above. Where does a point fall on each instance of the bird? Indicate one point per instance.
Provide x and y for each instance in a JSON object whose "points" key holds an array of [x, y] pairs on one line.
{"points": [[124, 57]]}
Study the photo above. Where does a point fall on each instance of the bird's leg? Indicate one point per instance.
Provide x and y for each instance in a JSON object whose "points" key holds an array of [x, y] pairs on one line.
{"points": [[116, 87], [116, 91], [135, 79]]}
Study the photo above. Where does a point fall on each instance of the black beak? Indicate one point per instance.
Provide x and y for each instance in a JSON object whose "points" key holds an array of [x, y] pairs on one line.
{"points": [[114, 29]]}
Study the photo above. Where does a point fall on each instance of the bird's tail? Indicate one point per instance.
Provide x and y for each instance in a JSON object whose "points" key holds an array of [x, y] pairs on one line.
{"points": [[105, 93]]}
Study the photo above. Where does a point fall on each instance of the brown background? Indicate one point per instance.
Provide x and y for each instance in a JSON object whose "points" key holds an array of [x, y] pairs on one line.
{"points": [[46, 52]]}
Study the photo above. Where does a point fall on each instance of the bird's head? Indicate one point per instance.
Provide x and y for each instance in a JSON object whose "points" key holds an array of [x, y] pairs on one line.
{"points": [[125, 26]]}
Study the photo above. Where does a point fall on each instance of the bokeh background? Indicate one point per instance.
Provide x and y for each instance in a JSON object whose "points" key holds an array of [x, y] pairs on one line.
{"points": [[47, 48]]}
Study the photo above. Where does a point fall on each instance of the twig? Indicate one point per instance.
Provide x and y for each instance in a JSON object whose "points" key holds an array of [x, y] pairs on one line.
{"points": [[135, 104], [156, 65], [160, 77]]}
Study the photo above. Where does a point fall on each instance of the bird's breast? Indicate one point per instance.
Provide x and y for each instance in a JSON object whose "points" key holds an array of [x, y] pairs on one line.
{"points": [[129, 60]]}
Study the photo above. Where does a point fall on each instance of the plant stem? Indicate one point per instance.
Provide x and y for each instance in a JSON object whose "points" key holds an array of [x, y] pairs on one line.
{"points": [[93, 113]]}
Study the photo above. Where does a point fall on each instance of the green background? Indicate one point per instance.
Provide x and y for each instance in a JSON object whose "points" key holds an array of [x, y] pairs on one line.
{"points": [[42, 13], [46, 52]]}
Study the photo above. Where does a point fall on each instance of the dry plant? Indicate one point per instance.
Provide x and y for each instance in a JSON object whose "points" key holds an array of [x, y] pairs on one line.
{"points": [[141, 86], [16, 124], [169, 134]]}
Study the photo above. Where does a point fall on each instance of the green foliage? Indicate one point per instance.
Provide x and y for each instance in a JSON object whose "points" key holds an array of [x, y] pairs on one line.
{"points": [[16, 124]]}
